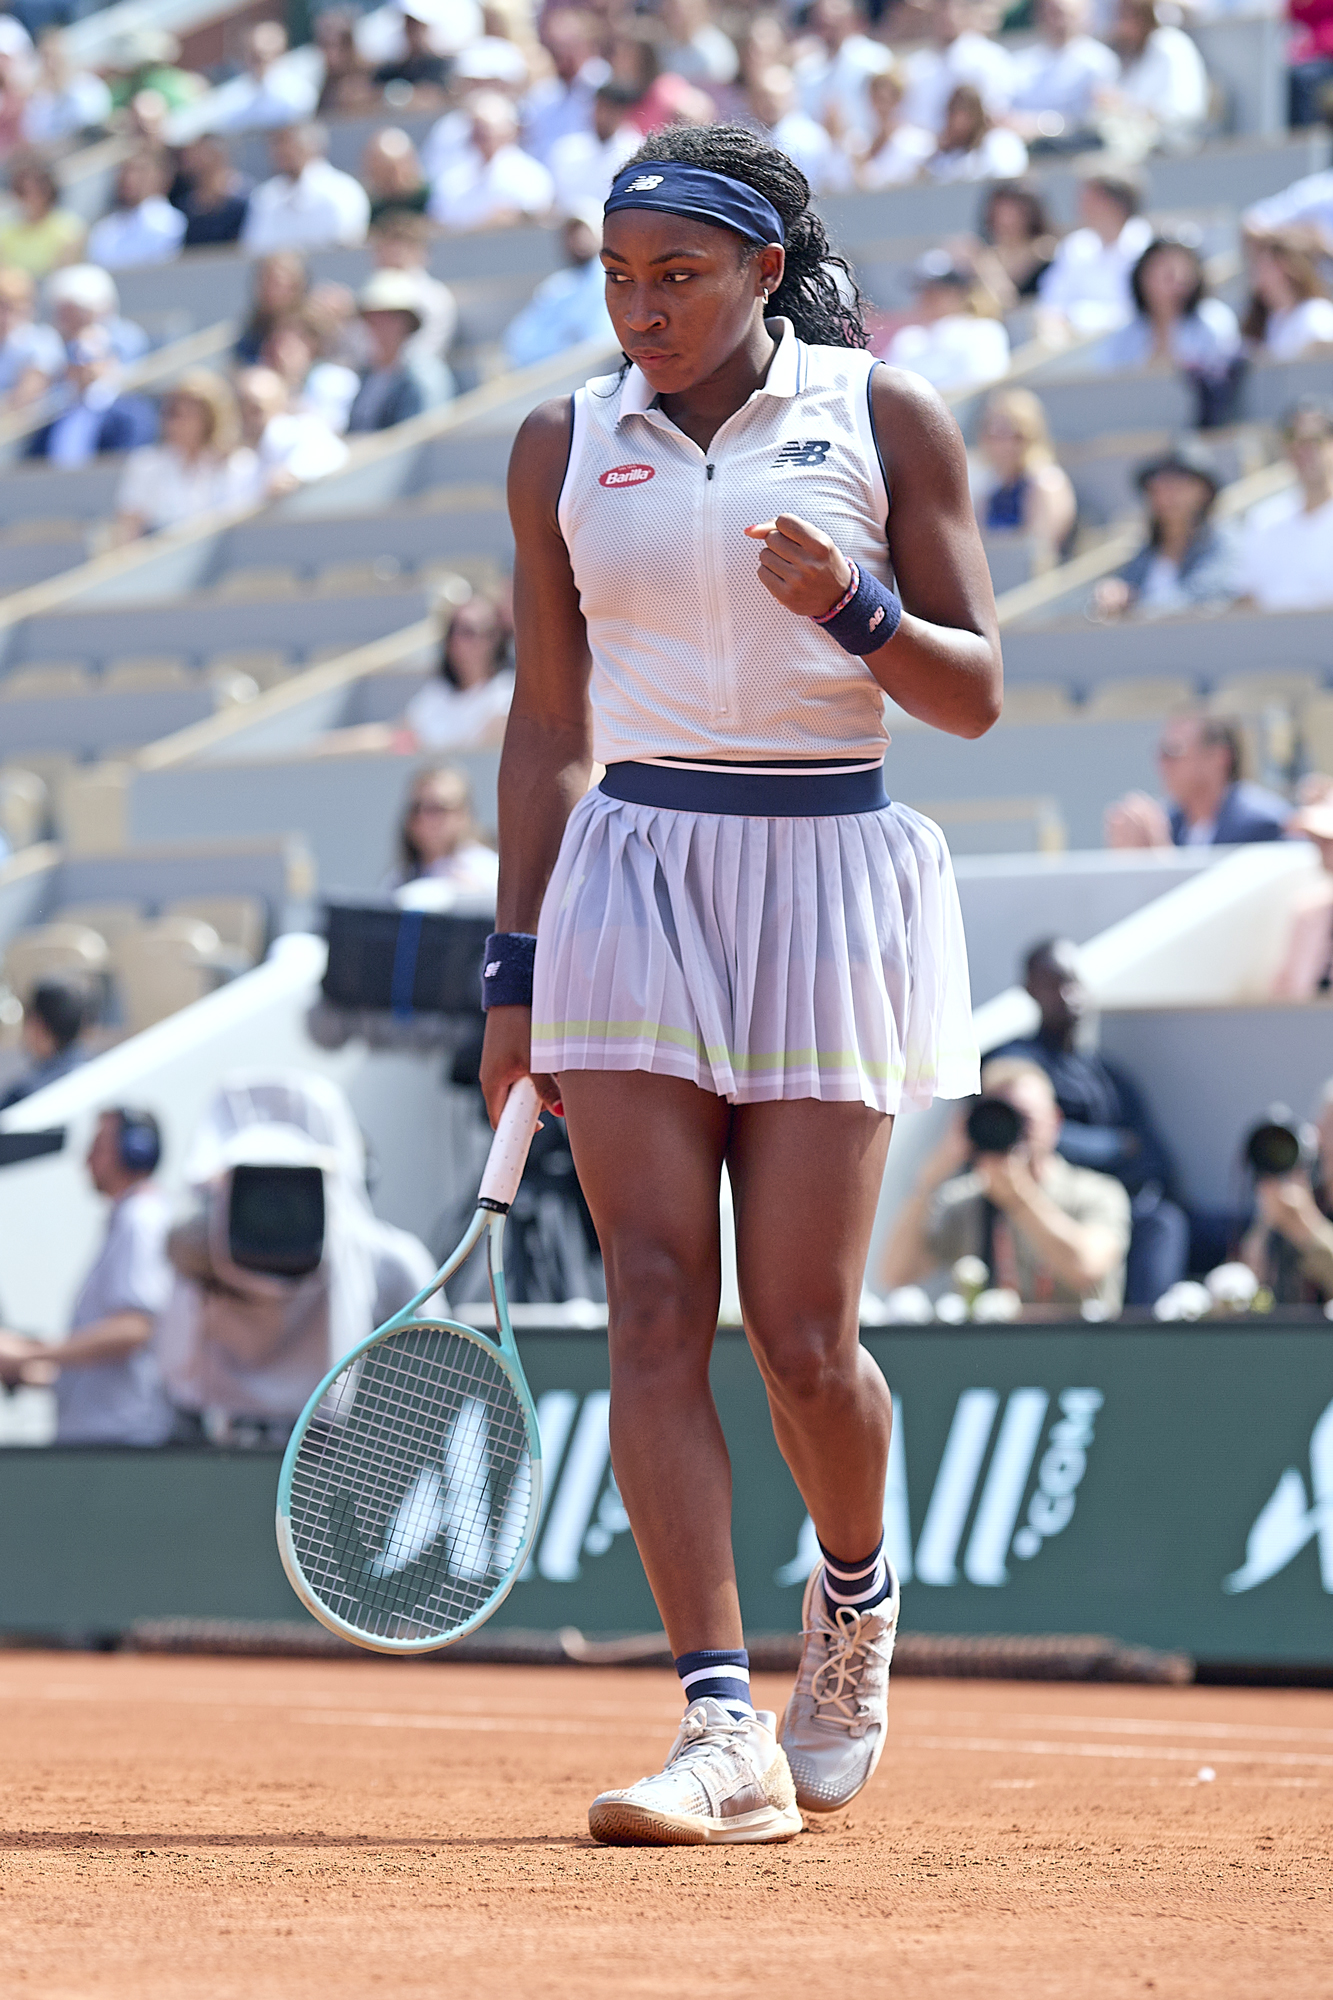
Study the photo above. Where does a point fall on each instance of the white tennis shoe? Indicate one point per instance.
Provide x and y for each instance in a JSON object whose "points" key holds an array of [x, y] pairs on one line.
{"points": [[724, 1782], [838, 1717]]}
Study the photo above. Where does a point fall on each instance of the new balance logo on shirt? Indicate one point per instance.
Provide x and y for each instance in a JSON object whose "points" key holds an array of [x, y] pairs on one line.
{"points": [[803, 451]]}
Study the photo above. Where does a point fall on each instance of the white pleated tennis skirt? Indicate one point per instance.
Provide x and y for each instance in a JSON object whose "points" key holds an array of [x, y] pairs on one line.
{"points": [[757, 958]]}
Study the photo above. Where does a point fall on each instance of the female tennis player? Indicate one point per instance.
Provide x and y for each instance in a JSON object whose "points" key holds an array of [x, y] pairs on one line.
{"points": [[735, 948]]}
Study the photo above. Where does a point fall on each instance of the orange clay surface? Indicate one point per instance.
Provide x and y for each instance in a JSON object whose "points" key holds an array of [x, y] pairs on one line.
{"points": [[256, 1828]]}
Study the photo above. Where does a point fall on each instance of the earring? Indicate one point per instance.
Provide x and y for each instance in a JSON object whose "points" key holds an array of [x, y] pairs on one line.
{"points": [[765, 298]]}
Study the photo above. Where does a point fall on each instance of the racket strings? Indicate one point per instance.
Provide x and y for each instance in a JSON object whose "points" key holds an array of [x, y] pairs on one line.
{"points": [[411, 1490]]}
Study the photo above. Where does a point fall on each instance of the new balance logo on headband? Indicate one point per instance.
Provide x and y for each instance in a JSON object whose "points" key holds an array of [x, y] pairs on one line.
{"points": [[803, 451], [644, 183]]}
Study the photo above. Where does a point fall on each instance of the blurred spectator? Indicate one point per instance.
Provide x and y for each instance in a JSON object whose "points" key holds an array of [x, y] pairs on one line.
{"points": [[1308, 201], [308, 205], [570, 305], [437, 840], [293, 350], [243, 1344], [895, 151], [107, 1384], [143, 62], [1176, 324], [972, 146], [1310, 57], [773, 109], [1161, 99], [493, 60], [401, 242], [467, 705], [83, 296], [348, 88], [562, 104], [1199, 758], [14, 83], [199, 466], [391, 175], [32, 357], [417, 65], [1057, 79], [952, 338], [1290, 310], [1054, 1233], [42, 234], [1019, 486], [55, 1016], [95, 416], [211, 195], [277, 289], [1106, 1124], [1307, 965], [696, 48], [584, 164], [141, 227], [492, 182], [291, 447], [660, 96], [65, 102], [832, 77], [1187, 561], [1016, 246], [1290, 1247], [957, 53], [400, 383], [270, 93], [1087, 287], [1286, 544]]}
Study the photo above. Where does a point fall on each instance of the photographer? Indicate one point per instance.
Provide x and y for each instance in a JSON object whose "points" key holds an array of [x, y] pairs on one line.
{"points": [[995, 1187], [1290, 1245]]}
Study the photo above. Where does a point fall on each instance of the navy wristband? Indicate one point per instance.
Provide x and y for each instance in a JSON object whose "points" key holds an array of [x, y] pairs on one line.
{"points": [[866, 617], [506, 969]]}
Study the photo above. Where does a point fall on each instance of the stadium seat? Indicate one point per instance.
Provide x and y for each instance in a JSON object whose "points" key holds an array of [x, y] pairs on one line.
{"points": [[54, 768], [344, 578], [1316, 728], [148, 675], [52, 528], [998, 826], [24, 805], [239, 921], [266, 580], [110, 919], [164, 966], [1137, 700], [1037, 701], [45, 680], [1251, 692], [54, 948]]}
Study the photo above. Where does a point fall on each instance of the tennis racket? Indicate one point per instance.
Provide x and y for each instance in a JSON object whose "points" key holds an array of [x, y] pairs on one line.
{"points": [[410, 1490]]}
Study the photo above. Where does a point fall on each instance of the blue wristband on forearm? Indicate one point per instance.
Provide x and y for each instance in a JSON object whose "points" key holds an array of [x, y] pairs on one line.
{"points": [[866, 616], [506, 969]]}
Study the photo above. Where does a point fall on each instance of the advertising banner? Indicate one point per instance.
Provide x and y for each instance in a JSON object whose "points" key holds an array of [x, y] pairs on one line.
{"points": [[1169, 1487]]}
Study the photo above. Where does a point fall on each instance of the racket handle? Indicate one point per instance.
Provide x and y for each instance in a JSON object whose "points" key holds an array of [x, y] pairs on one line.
{"points": [[509, 1147]]}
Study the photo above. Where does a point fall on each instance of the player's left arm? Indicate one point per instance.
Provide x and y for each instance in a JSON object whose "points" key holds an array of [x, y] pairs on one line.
{"points": [[943, 662]]}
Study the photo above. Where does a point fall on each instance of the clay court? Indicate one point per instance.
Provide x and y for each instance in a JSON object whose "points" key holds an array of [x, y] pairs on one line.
{"points": [[246, 1827]]}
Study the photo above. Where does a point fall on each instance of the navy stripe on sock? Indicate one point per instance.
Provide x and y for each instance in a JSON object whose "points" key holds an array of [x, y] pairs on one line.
{"points": [[720, 1674], [859, 1583]]}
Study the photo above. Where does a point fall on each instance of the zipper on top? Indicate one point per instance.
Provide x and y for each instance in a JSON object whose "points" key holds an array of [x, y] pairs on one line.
{"points": [[718, 677]]}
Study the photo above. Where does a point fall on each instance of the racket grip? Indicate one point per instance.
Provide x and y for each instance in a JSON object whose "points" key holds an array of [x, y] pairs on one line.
{"points": [[509, 1147]]}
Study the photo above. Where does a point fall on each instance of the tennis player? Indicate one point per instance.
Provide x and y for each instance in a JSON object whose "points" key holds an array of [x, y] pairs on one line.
{"points": [[735, 948]]}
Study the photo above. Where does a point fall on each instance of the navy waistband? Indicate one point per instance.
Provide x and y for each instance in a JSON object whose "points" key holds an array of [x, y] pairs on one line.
{"points": [[747, 793]]}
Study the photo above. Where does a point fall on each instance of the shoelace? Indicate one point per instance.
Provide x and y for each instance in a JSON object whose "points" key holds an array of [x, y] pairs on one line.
{"points": [[697, 1735], [835, 1685]]}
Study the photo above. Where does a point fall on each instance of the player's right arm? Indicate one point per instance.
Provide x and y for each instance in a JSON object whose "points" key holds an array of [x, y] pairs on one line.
{"points": [[547, 755]]}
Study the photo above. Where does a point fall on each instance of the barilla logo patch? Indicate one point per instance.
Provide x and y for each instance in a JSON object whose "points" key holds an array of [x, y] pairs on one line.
{"points": [[626, 475]]}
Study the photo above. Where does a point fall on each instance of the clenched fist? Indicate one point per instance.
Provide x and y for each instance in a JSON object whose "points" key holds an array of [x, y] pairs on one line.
{"points": [[802, 567]]}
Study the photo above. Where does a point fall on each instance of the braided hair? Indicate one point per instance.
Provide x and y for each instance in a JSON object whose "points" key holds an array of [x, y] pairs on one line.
{"points": [[818, 293]]}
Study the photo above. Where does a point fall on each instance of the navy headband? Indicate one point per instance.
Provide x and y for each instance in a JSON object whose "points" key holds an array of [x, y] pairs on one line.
{"points": [[672, 189]]}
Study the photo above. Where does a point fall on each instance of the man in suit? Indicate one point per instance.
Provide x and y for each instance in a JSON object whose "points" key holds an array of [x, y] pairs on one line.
{"points": [[1210, 804], [96, 417]]}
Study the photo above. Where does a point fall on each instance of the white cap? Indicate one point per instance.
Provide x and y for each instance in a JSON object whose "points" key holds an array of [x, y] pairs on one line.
{"points": [[86, 285]]}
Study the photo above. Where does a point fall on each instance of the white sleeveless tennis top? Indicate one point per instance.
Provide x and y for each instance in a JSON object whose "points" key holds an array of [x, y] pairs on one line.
{"points": [[691, 655]]}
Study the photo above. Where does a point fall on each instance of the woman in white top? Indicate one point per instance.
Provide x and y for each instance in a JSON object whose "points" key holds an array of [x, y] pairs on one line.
{"points": [[465, 707], [972, 146], [1290, 310], [952, 338], [743, 952], [197, 468], [895, 151], [438, 848]]}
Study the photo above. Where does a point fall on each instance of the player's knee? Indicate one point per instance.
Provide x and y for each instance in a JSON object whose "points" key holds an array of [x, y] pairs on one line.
{"points": [[662, 1311], [806, 1358]]}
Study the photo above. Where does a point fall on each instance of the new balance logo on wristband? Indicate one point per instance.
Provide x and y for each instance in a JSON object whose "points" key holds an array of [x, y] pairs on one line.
{"points": [[803, 451]]}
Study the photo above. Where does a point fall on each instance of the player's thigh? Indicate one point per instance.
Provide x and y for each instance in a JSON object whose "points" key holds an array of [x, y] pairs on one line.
{"points": [[806, 1177], [649, 1153]]}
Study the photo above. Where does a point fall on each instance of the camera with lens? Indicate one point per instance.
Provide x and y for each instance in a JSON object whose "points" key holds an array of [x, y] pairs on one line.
{"points": [[993, 1125], [275, 1220], [1279, 1145]]}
